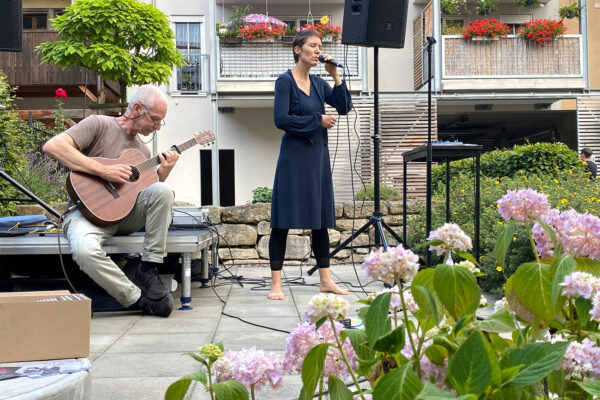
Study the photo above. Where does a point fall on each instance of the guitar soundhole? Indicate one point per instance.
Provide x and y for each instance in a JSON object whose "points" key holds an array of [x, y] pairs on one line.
{"points": [[135, 174]]}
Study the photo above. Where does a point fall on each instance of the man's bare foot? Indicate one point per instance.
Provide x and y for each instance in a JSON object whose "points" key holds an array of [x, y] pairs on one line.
{"points": [[331, 287], [276, 294]]}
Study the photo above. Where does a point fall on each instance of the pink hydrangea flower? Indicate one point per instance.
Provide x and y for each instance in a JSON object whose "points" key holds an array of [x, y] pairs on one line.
{"points": [[543, 243], [581, 360], [396, 262], [305, 337], [396, 302], [580, 284], [595, 311], [250, 367], [579, 233], [325, 305], [453, 238], [430, 372], [523, 205]]}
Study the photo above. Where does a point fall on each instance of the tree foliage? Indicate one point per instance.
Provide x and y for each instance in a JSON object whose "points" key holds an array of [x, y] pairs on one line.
{"points": [[123, 40]]}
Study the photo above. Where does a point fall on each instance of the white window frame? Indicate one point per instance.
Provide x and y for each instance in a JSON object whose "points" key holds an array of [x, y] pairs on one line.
{"points": [[205, 78], [298, 19]]}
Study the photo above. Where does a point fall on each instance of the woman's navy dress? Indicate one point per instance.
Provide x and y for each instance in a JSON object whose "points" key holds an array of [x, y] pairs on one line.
{"points": [[303, 186]]}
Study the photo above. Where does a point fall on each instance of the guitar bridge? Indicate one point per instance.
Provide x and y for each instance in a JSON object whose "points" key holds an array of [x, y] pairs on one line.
{"points": [[111, 189]]}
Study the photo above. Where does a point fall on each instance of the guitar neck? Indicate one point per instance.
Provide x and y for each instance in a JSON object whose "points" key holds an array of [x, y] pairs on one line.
{"points": [[154, 161]]}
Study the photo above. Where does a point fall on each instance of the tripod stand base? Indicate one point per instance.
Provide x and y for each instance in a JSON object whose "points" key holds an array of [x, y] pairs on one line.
{"points": [[378, 224]]}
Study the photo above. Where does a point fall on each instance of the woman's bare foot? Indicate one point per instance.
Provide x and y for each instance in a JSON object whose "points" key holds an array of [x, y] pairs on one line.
{"points": [[331, 287], [276, 293]]}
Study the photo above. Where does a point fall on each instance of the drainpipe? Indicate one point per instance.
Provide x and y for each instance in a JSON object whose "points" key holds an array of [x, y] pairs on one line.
{"points": [[216, 200], [437, 34], [583, 30]]}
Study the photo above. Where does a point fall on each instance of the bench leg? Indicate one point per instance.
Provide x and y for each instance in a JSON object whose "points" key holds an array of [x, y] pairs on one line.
{"points": [[204, 275], [186, 281]]}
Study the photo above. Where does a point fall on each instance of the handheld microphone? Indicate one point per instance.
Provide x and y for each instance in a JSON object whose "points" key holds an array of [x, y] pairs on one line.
{"points": [[337, 64]]}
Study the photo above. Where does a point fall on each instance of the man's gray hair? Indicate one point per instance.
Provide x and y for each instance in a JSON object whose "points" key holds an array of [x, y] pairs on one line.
{"points": [[146, 95]]}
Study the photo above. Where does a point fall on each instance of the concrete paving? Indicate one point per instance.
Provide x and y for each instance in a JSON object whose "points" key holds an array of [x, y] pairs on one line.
{"points": [[138, 357]]}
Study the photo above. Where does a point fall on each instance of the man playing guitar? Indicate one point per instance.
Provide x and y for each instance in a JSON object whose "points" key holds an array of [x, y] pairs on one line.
{"points": [[108, 137]]}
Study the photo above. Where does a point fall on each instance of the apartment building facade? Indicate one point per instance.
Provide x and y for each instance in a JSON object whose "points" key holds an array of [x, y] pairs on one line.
{"points": [[494, 93]]}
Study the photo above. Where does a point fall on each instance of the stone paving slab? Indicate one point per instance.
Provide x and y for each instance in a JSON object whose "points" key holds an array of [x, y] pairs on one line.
{"points": [[138, 357]]}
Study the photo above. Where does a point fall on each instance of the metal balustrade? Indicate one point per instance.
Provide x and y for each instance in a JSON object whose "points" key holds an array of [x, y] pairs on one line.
{"points": [[256, 60], [511, 57]]}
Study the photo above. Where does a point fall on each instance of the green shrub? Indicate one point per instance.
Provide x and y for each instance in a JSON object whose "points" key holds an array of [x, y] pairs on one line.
{"points": [[385, 193], [532, 159], [18, 142], [262, 195], [567, 189]]}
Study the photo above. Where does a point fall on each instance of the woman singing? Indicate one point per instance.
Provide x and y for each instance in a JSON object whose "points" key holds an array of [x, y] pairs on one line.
{"points": [[303, 186]]}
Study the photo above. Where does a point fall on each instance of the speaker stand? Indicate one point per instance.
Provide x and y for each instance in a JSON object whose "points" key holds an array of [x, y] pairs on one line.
{"points": [[375, 220]]}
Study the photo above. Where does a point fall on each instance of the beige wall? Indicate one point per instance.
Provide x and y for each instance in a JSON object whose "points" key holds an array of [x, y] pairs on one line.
{"points": [[46, 3], [252, 134], [593, 14]]}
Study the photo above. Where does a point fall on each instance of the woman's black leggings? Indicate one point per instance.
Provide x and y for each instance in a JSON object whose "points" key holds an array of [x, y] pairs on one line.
{"points": [[320, 247]]}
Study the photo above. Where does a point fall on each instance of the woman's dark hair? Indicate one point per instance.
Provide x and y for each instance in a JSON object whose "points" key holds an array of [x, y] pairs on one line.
{"points": [[301, 38]]}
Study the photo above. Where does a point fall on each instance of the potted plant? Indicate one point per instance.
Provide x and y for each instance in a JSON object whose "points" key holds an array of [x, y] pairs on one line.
{"points": [[229, 36], [328, 32], [485, 29], [236, 19], [526, 3], [288, 36], [571, 10], [451, 6], [541, 31], [485, 7]]}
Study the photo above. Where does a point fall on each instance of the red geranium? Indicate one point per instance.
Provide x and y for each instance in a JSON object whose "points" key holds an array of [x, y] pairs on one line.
{"points": [[542, 31], [262, 31], [491, 28], [60, 94], [324, 29]]}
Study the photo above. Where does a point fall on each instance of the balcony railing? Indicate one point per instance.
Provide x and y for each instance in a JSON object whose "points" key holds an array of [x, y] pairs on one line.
{"points": [[25, 68], [252, 60], [511, 58]]}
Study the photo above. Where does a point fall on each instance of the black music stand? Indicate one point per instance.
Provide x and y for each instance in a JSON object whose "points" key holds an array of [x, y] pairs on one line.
{"points": [[443, 152]]}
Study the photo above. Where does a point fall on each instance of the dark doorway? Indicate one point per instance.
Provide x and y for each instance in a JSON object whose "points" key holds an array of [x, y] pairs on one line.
{"points": [[226, 178]]}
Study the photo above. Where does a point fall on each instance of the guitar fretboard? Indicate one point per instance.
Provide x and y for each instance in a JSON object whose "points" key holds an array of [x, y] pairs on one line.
{"points": [[154, 161]]}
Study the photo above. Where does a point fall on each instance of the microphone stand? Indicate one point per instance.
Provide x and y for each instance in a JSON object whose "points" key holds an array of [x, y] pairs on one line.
{"points": [[375, 220]]}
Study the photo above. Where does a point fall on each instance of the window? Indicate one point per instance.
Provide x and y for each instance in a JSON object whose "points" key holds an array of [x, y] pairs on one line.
{"points": [[514, 22], [189, 77], [297, 22], [226, 178], [35, 21]]}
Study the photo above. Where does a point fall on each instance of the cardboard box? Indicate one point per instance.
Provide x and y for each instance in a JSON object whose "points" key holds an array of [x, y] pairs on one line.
{"points": [[34, 328]]}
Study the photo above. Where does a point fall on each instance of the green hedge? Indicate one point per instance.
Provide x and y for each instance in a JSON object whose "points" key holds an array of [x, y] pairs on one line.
{"points": [[566, 189], [531, 159], [385, 193]]}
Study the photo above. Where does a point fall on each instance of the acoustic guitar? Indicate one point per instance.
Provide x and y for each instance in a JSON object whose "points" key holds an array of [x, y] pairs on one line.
{"points": [[105, 203]]}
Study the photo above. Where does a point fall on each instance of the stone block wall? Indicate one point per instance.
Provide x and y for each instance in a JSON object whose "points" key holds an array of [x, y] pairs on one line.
{"points": [[245, 231]]}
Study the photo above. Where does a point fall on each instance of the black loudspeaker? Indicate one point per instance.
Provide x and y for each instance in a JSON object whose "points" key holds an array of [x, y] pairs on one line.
{"points": [[375, 23], [11, 25]]}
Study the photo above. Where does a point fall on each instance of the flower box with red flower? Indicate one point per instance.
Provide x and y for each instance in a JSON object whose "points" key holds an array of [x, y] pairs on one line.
{"points": [[486, 29], [263, 31], [327, 31], [541, 31]]}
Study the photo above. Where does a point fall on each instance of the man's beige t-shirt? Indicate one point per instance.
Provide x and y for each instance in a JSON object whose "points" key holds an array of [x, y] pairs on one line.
{"points": [[102, 136]]}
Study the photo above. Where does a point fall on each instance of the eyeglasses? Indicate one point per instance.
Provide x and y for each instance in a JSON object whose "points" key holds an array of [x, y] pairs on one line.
{"points": [[156, 120]]}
